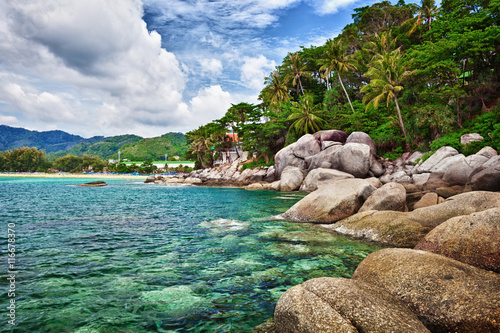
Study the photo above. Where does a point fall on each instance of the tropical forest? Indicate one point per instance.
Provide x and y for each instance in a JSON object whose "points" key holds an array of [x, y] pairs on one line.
{"points": [[413, 77]]}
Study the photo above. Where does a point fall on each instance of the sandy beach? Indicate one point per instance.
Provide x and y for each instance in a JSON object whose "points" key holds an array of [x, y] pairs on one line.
{"points": [[73, 175]]}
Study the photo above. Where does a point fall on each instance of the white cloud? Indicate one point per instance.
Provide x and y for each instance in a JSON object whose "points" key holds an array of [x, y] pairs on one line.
{"points": [[323, 7], [211, 103], [9, 120], [211, 67], [254, 70]]}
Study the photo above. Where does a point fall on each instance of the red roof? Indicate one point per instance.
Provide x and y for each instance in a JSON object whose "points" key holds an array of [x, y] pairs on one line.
{"points": [[233, 137]]}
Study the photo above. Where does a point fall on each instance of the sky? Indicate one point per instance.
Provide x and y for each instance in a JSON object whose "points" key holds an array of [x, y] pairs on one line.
{"points": [[112, 67]]}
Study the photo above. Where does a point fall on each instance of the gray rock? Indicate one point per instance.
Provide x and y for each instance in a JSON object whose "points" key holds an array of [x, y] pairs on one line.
{"points": [[376, 167], [446, 163], [437, 157], [307, 145], [291, 178], [487, 152], [472, 137], [329, 155], [476, 160], [420, 179], [331, 203], [401, 177], [275, 186], [326, 144], [363, 308], [150, 179], [487, 179], [414, 157], [285, 157], [391, 196], [318, 176], [446, 295], [458, 171], [361, 137], [355, 158], [472, 239]]}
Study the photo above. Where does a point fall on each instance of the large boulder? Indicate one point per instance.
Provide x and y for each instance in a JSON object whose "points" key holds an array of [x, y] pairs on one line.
{"points": [[472, 239], [461, 204], [438, 156], [458, 171], [342, 305], [355, 158], [391, 196], [446, 295], [487, 152], [332, 202], [331, 135], [446, 163], [327, 156], [427, 200], [487, 179], [291, 179], [307, 145], [285, 157], [387, 227], [319, 176], [361, 137]]}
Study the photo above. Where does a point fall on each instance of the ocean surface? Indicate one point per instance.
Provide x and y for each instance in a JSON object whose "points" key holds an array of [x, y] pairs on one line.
{"points": [[134, 257]]}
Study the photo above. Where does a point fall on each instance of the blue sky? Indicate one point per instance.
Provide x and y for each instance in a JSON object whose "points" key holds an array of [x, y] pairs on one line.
{"points": [[94, 67]]}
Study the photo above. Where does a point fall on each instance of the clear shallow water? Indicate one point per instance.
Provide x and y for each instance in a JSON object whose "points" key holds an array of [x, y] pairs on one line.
{"points": [[133, 257]]}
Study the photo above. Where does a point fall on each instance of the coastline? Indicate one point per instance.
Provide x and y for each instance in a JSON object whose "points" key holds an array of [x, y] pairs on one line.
{"points": [[72, 175]]}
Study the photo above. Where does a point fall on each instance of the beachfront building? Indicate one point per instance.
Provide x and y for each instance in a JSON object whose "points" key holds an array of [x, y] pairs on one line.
{"points": [[231, 150]]}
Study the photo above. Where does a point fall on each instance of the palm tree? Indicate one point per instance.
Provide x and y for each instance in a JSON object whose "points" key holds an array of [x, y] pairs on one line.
{"points": [[276, 91], [305, 116], [427, 11], [339, 60], [383, 43], [296, 68], [386, 74]]}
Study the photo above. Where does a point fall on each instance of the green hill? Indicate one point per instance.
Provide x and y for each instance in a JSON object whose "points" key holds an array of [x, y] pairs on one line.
{"points": [[104, 149], [155, 148], [50, 141]]}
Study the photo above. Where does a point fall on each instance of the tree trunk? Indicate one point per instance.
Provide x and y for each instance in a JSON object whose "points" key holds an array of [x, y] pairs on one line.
{"points": [[347, 95], [401, 121]]}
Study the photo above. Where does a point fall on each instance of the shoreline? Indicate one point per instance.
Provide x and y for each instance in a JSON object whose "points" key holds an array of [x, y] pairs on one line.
{"points": [[72, 175]]}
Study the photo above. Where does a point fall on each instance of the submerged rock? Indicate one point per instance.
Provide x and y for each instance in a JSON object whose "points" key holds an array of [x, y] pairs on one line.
{"points": [[98, 183], [446, 295]]}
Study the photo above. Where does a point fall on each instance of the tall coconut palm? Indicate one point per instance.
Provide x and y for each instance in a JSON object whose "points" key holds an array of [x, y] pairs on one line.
{"points": [[276, 91], [387, 73], [428, 10], [305, 116], [382, 43], [339, 60], [295, 69]]}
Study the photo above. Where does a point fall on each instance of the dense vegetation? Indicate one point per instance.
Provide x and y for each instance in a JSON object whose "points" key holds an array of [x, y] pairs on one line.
{"points": [[50, 141], [103, 149], [412, 77], [155, 148]]}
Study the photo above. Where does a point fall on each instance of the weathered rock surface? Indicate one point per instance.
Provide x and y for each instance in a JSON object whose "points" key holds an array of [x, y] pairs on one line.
{"points": [[331, 203], [254, 187], [461, 204], [457, 171], [331, 135], [387, 227], [362, 307], [354, 158], [316, 177], [446, 295], [471, 137], [489, 178], [306, 146], [361, 137], [472, 239], [428, 199], [285, 157], [291, 178], [487, 152], [391, 196], [329, 155], [441, 154]]}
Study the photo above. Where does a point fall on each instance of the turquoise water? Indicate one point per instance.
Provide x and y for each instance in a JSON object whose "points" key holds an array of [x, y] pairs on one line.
{"points": [[133, 257]]}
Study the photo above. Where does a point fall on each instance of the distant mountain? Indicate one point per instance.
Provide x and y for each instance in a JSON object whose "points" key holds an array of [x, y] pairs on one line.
{"points": [[50, 141], [171, 144], [106, 148]]}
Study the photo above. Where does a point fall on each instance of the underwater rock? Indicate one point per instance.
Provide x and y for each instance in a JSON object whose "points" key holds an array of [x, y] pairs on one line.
{"points": [[98, 183]]}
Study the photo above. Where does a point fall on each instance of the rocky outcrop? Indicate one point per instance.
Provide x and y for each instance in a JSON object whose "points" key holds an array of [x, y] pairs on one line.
{"points": [[291, 178], [331, 203], [317, 177], [355, 158], [361, 137], [342, 305], [488, 176], [446, 295], [391, 196], [428, 199], [472, 239], [471, 137]]}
